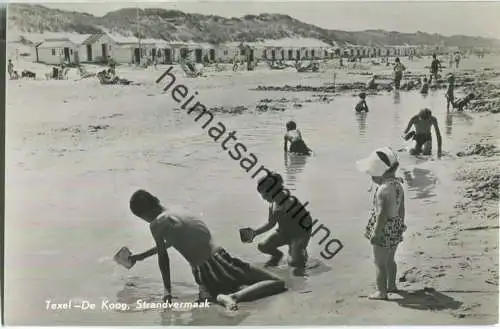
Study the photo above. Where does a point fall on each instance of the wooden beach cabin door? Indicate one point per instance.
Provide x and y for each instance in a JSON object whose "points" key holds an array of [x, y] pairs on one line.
{"points": [[104, 48], [298, 54], [77, 57], [251, 55], [89, 53], [198, 55], [273, 54], [66, 55], [211, 55], [137, 56], [168, 56]]}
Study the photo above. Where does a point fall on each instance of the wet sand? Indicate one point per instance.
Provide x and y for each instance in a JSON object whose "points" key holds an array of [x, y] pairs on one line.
{"points": [[76, 150]]}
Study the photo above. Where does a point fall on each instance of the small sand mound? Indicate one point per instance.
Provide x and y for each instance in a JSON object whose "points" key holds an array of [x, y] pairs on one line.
{"points": [[485, 188], [298, 88], [270, 107], [229, 110], [478, 149], [96, 128]]}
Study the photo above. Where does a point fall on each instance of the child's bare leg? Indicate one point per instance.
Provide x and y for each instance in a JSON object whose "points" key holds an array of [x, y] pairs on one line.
{"points": [[298, 255], [270, 246], [262, 284], [391, 271], [380, 254]]}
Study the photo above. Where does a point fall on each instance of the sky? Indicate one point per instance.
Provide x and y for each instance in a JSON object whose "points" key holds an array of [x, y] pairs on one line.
{"points": [[447, 18]]}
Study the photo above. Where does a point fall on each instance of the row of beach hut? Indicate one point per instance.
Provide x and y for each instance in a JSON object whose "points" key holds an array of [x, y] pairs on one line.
{"points": [[102, 47]]}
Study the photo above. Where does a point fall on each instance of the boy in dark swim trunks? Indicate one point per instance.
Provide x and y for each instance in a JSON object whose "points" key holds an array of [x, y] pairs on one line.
{"points": [[361, 106], [423, 123], [294, 137], [435, 68], [294, 224], [219, 276]]}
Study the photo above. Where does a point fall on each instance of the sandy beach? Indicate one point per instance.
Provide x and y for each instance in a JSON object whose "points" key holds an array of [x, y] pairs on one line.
{"points": [[76, 150]]}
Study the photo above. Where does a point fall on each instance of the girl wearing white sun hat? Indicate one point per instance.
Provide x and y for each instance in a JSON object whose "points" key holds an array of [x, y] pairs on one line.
{"points": [[386, 221]]}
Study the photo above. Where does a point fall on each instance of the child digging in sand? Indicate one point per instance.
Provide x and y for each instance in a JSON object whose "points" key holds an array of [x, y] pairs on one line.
{"points": [[294, 225], [219, 275], [461, 103], [361, 106], [386, 222], [294, 137]]}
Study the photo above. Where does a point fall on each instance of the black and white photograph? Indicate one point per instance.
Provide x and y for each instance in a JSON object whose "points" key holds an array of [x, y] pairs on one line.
{"points": [[258, 163]]}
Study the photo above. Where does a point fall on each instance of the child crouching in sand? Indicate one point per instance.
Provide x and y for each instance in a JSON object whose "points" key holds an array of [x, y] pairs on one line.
{"points": [[294, 225], [386, 221]]}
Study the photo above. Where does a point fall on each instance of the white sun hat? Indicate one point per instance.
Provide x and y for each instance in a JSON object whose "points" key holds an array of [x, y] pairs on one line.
{"points": [[378, 162]]}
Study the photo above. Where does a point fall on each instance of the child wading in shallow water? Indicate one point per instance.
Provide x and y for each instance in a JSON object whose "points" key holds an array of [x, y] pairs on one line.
{"points": [[361, 106], [294, 137], [386, 221]]}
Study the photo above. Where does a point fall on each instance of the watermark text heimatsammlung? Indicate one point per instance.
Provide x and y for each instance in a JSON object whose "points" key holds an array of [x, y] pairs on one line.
{"points": [[248, 161]]}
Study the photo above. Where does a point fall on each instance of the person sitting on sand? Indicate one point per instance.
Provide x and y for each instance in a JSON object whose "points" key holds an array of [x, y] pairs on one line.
{"points": [[361, 106], [294, 137], [294, 227], [450, 92], [424, 90], [422, 135], [463, 102], [386, 223], [219, 275]]}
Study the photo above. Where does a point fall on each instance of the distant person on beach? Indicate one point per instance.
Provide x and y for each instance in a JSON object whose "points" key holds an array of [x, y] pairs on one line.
{"points": [[10, 68], [457, 59], [435, 68], [424, 90], [293, 141], [423, 122], [399, 68], [294, 226], [361, 106], [450, 92], [386, 223], [219, 275], [371, 84]]}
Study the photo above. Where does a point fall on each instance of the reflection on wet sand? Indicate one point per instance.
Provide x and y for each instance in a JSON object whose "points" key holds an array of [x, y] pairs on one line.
{"points": [[149, 291], [463, 117], [294, 165], [397, 97], [361, 120], [422, 181], [449, 123]]}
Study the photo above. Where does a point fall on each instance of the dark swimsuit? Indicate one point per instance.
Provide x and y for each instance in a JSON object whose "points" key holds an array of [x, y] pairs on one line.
{"points": [[298, 146]]}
